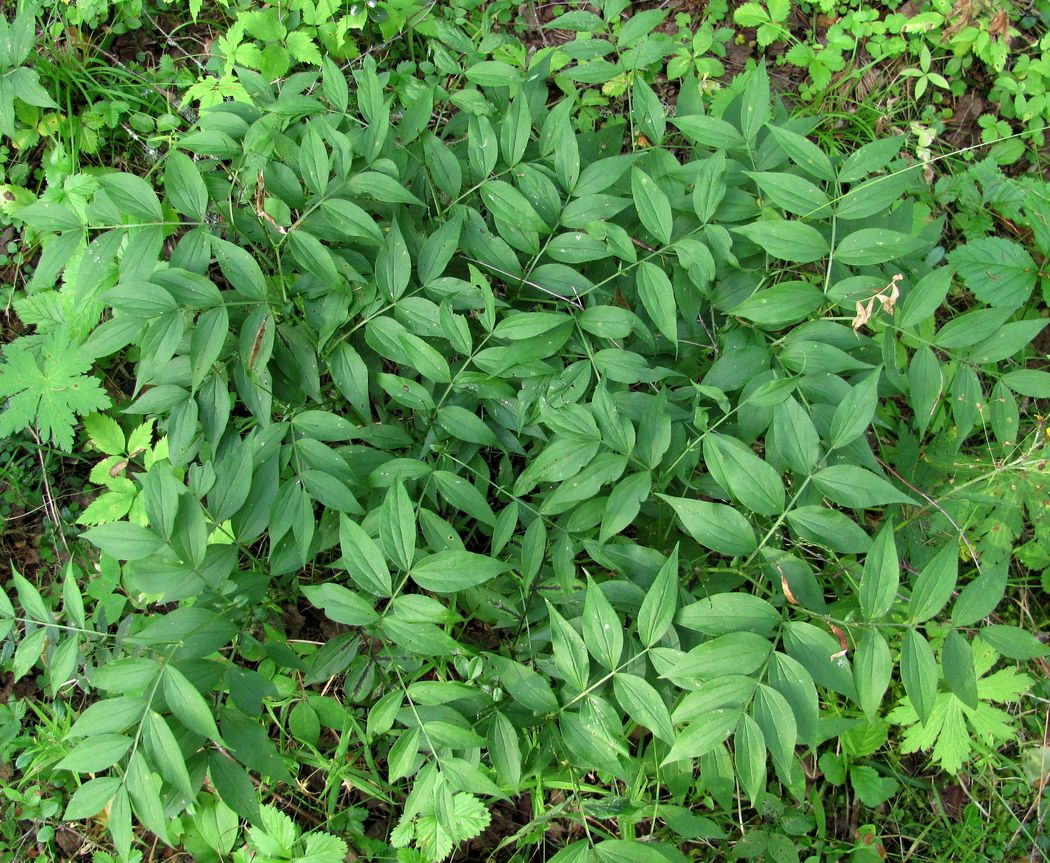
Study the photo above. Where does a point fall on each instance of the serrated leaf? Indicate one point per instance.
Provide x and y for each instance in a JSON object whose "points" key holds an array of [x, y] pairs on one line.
{"points": [[998, 271]]}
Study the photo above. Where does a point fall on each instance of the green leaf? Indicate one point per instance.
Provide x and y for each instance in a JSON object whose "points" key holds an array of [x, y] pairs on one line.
{"points": [[716, 526], [754, 103], [624, 851], [657, 296], [870, 246], [438, 250], [96, 754], [796, 437], [710, 187], [47, 389], [925, 297], [702, 735], [750, 753], [857, 487], [132, 195], [788, 241], [919, 673], [804, 153], [30, 599], [643, 704], [363, 559], [515, 131], [49, 216], [855, 412], [29, 650], [1028, 382], [730, 612], [109, 716], [240, 269], [877, 195], [785, 303], [570, 652], [526, 686], [340, 604], [624, 503], [464, 496], [871, 789], [925, 385], [661, 599], [383, 188], [997, 271], [959, 674], [124, 540], [234, 786], [602, 630], [1014, 642], [935, 584], [881, 576], [648, 111], [789, 192], [981, 596], [732, 653], [105, 433], [349, 219], [743, 474], [493, 73], [872, 669], [709, 132], [206, 343], [829, 528], [452, 571], [791, 679], [184, 186], [654, 210], [91, 798], [188, 704], [314, 164], [165, 753], [508, 204], [397, 526], [504, 750], [773, 715], [869, 158]]}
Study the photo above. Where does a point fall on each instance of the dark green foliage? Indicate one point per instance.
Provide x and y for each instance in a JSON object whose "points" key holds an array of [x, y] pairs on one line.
{"points": [[586, 465]]}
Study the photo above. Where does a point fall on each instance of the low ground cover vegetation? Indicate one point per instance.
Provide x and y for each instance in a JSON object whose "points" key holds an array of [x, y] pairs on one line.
{"points": [[573, 432]]}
